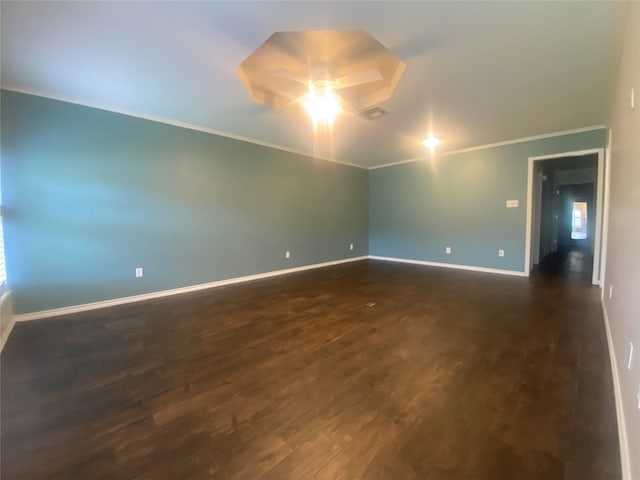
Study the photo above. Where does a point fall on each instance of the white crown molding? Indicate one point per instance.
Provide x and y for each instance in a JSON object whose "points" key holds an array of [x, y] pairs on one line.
{"points": [[220, 133], [174, 123], [455, 266], [56, 312], [497, 144], [625, 459], [401, 162], [528, 139]]}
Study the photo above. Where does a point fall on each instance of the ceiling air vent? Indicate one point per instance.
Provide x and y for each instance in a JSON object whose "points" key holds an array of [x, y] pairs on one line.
{"points": [[374, 113]]}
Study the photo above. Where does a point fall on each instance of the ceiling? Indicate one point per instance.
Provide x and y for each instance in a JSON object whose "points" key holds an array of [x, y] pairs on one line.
{"points": [[477, 73]]}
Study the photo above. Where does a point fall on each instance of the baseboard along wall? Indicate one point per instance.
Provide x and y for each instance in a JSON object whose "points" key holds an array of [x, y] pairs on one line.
{"points": [[625, 459]]}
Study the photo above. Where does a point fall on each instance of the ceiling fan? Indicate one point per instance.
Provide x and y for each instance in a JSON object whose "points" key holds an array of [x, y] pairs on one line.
{"points": [[318, 78], [324, 71]]}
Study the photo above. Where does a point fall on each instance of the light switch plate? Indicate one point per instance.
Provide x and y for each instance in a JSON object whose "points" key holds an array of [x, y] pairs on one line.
{"points": [[512, 203]]}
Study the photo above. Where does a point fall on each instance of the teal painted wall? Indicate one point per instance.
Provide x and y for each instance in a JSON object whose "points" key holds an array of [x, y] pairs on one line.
{"points": [[417, 209], [90, 195]]}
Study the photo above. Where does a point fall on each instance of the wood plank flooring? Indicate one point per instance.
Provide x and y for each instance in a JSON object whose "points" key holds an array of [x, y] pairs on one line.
{"points": [[367, 370]]}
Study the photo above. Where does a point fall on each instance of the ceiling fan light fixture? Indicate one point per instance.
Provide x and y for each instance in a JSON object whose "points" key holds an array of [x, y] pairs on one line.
{"points": [[322, 104], [291, 71]]}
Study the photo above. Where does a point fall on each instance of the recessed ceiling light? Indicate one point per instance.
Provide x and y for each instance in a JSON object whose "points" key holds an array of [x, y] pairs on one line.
{"points": [[431, 142]]}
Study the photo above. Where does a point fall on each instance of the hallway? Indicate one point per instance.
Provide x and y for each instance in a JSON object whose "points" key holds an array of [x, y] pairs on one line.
{"points": [[573, 263]]}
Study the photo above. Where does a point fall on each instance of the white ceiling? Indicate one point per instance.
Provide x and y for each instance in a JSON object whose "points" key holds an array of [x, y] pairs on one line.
{"points": [[477, 72]]}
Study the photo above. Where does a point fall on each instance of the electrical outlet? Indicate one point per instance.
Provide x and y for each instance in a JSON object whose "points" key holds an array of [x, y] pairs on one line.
{"points": [[351, 246], [447, 250], [501, 253], [610, 292], [287, 254], [139, 272], [630, 356]]}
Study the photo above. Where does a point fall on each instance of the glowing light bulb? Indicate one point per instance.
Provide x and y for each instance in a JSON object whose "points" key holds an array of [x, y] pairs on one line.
{"points": [[431, 142], [322, 105]]}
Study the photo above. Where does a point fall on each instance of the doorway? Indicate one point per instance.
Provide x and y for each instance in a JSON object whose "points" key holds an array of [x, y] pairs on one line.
{"points": [[564, 214]]}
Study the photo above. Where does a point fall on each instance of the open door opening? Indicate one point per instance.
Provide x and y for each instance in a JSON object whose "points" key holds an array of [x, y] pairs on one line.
{"points": [[565, 215]]}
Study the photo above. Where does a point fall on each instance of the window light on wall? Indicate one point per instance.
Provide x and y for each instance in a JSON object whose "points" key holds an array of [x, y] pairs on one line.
{"points": [[3, 271]]}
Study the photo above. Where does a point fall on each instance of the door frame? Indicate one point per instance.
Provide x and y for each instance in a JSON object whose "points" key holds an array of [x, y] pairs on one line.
{"points": [[599, 201]]}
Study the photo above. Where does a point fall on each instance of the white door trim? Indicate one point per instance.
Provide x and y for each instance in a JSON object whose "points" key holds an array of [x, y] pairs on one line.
{"points": [[605, 211], [599, 211]]}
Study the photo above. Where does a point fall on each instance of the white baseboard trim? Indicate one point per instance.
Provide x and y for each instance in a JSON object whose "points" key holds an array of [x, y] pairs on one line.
{"points": [[56, 312], [11, 322], [625, 459], [450, 265]]}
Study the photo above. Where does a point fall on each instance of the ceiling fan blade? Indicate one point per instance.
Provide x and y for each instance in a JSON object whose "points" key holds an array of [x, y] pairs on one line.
{"points": [[359, 78], [283, 72]]}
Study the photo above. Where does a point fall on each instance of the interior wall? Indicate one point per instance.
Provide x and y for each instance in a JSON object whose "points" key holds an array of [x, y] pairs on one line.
{"points": [[417, 209], [89, 195], [623, 236]]}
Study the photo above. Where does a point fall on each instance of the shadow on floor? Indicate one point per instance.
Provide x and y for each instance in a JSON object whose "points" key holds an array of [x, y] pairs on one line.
{"points": [[572, 263]]}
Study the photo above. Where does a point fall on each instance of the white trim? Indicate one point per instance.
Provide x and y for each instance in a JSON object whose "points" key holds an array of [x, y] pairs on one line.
{"points": [[605, 220], [11, 323], [625, 458], [599, 201], [25, 317], [190, 126], [597, 243], [573, 153], [529, 219], [174, 123], [401, 162], [450, 265], [529, 139], [497, 144]]}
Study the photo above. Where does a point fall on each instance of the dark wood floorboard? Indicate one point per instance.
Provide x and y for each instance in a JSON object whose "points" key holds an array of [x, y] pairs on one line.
{"points": [[367, 370]]}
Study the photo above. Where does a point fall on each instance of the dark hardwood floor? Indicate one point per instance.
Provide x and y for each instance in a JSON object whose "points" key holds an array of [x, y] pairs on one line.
{"points": [[574, 263], [366, 370]]}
